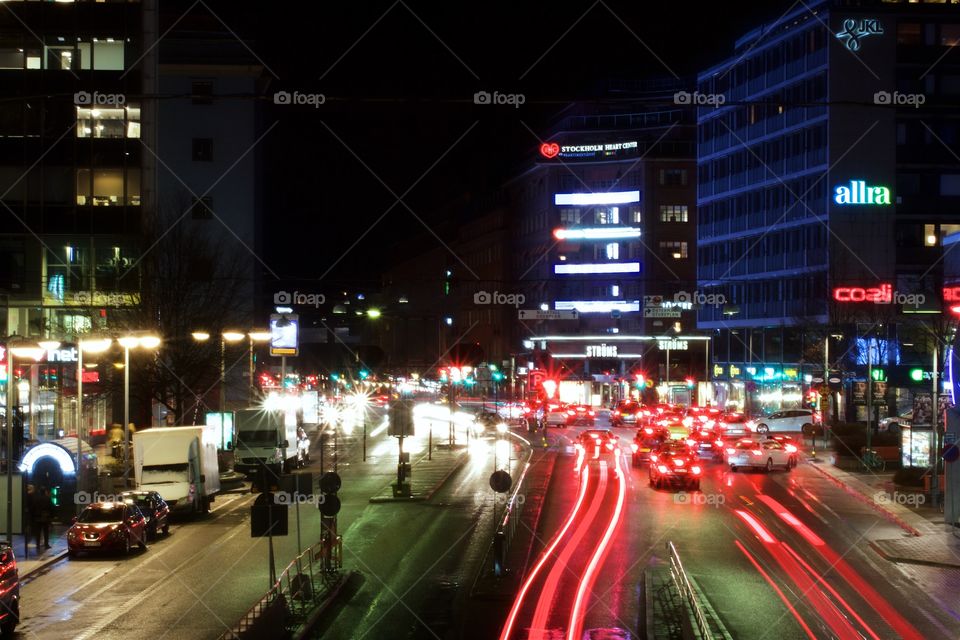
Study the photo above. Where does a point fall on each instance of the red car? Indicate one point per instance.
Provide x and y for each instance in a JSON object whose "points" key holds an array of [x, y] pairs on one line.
{"points": [[580, 414], [107, 526], [675, 464]]}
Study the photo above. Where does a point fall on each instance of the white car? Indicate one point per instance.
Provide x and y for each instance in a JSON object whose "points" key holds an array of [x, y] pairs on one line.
{"points": [[556, 415], [766, 454], [805, 421], [895, 423]]}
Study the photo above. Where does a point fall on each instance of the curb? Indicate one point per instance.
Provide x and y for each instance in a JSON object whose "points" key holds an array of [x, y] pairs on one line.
{"points": [[46, 563], [886, 513], [420, 497], [893, 558]]}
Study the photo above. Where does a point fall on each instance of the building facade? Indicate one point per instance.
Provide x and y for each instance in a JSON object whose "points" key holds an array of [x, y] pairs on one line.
{"points": [[825, 183]]}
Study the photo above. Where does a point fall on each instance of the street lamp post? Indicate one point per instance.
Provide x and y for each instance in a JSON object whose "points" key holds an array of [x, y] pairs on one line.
{"points": [[131, 342], [255, 336], [19, 350]]}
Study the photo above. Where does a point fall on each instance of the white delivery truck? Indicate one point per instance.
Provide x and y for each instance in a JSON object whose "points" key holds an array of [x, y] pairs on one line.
{"points": [[266, 437], [179, 463]]}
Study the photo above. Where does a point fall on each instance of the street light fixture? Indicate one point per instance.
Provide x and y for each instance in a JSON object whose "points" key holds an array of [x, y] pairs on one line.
{"points": [[145, 341], [257, 335], [200, 336]]}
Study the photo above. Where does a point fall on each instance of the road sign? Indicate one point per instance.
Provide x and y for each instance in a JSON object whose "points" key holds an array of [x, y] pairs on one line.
{"points": [[484, 374], [652, 301], [267, 517], [500, 481], [550, 314], [659, 312], [284, 334], [400, 418]]}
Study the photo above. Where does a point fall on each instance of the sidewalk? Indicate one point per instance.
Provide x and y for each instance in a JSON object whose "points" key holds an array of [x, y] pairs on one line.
{"points": [[930, 541], [30, 562], [427, 476]]}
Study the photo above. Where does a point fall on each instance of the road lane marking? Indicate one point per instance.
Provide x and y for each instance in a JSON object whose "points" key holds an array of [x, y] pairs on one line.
{"points": [[777, 590]]}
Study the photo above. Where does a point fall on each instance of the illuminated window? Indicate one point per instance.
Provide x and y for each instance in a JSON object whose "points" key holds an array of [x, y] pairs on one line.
{"points": [[635, 215], [613, 251], [106, 187], [676, 250], [673, 213], [614, 290], [609, 215], [108, 122], [569, 217], [930, 235]]}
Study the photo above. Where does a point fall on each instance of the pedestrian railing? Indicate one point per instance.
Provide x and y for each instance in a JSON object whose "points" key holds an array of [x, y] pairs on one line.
{"points": [[687, 594], [298, 590], [507, 526]]}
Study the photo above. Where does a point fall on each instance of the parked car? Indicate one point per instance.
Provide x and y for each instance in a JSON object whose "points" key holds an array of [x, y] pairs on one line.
{"points": [[804, 421], [9, 591], [895, 423], [107, 526], [154, 509]]}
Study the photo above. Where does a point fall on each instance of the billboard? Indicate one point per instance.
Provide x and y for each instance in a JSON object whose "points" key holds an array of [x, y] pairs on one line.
{"points": [[284, 334]]}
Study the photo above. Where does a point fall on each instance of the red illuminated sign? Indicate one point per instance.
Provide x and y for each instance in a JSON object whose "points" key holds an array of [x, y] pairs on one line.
{"points": [[877, 295], [91, 377], [951, 294], [549, 149]]}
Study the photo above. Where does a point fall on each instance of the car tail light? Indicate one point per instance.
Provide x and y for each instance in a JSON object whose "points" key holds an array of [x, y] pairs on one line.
{"points": [[571, 412], [648, 431], [662, 468], [790, 448], [591, 413], [695, 470], [678, 462], [703, 418], [731, 451], [634, 447], [757, 452], [691, 442], [646, 413], [653, 457], [687, 422], [718, 442]]}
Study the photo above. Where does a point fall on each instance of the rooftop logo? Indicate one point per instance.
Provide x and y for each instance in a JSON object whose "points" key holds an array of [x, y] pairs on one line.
{"points": [[854, 31], [857, 192]]}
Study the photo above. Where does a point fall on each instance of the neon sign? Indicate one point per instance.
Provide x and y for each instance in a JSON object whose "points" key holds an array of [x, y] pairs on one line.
{"points": [[601, 351], [853, 31], [672, 345], [597, 233], [549, 149], [601, 267], [877, 295], [950, 294], [859, 193], [598, 306], [600, 197]]}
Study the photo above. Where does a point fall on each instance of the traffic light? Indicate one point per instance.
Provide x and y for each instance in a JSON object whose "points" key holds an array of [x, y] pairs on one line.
{"points": [[497, 376], [447, 281], [364, 374], [916, 375], [641, 381], [334, 376], [879, 375], [329, 486], [690, 382], [55, 496]]}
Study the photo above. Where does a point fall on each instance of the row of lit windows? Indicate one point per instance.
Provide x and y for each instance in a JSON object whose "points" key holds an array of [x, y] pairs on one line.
{"points": [[99, 54]]}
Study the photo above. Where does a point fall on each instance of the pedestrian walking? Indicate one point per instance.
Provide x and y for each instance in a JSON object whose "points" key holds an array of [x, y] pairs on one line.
{"points": [[42, 516]]}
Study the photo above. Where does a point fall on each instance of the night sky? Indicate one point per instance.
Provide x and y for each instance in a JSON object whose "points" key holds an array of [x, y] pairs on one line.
{"points": [[400, 98]]}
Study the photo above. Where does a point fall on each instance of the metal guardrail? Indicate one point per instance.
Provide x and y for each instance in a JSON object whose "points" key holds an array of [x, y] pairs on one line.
{"points": [[687, 593], [508, 523], [298, 590]]}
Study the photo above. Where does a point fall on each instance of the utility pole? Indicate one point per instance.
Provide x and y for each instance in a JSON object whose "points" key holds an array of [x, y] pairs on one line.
{"points": [[935, 435]]}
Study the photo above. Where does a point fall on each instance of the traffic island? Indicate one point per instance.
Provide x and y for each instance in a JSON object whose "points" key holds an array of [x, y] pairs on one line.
{"points": [[424, 478]]}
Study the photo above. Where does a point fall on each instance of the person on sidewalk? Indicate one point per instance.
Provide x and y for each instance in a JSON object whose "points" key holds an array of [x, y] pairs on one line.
{"points": [[42, 514]]}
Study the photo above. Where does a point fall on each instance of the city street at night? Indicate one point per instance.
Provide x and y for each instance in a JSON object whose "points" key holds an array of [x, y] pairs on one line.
{"points": [[600, 320]]}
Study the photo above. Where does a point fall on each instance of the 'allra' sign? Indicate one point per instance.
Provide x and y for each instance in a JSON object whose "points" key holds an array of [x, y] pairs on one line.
{"points": [[857, 192]]}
